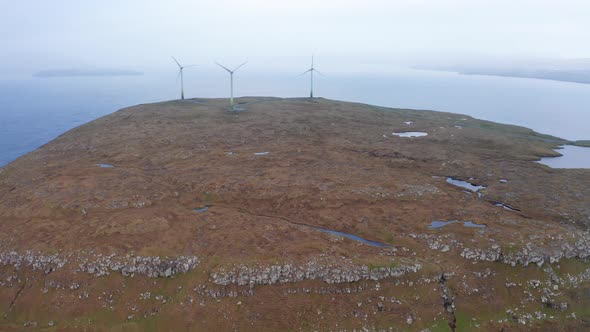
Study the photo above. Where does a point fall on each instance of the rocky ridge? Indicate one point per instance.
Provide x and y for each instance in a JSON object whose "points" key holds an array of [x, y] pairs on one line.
{"points": [[332, 273], [99, 265], [532, 253]]}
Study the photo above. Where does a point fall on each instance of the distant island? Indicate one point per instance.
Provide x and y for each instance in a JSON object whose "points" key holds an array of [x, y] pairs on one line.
{"points": [[584, 143], [565, 70], [72, 72], [575, 76]]}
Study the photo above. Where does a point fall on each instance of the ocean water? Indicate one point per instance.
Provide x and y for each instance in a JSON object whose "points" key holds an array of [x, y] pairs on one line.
{"points": [[573, 157], [33, 111]]}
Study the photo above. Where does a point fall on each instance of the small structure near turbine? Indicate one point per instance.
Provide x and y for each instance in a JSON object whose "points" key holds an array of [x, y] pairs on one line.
{"points": [[231, 83], [180, 74], [311, 71]]}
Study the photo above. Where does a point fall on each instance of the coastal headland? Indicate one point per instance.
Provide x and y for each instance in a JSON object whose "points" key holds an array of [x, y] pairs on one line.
{"points": [[293, 214]]}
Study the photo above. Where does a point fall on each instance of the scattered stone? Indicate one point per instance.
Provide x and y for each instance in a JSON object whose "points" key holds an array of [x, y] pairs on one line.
{"points": [[380, 306], [560, 306], [530, 253], [148, 266], [30, 323], [98, 265]]}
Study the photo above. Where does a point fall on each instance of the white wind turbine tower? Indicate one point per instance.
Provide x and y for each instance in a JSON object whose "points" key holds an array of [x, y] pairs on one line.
{"points": [[180, 74], [231, 82], [311, 71]]}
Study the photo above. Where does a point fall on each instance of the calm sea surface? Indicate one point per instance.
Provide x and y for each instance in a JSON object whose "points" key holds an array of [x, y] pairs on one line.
{"points": [[33, 111], [573, 157]]}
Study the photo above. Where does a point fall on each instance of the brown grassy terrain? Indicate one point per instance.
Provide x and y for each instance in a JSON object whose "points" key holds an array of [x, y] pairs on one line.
{"points": [[330, 164]]}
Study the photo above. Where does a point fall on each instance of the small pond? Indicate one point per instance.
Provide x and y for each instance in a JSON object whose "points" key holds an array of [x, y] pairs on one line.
{"points": [[505, 206], [440, 224], [352, 237], [105, 165], [465, 185], [202, 209], [411, 134]]}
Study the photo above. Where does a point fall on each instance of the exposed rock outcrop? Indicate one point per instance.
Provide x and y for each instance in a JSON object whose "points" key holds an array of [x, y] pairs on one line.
{"points": [[332, 273], [151, 266], [98, 265], [46, 263], [532, 253]]}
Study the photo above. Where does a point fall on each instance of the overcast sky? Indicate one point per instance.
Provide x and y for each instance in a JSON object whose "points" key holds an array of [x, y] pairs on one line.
{"points": [[115, 33]]}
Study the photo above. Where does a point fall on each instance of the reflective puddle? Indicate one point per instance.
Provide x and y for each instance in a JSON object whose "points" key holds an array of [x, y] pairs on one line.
{"points": [[473, 225], [261, 153], [202, 209], [505, 206], [440, 224], [411, 134], [352, 237], [105, 165], [465, 184]]}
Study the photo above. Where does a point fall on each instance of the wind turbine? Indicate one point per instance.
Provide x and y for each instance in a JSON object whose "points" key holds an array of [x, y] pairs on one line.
{"points": [[311, 71], [231, 82], [180, 73]]}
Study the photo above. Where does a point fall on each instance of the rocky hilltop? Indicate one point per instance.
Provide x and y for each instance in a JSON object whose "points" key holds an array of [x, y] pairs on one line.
{"points": [[293, 214]]}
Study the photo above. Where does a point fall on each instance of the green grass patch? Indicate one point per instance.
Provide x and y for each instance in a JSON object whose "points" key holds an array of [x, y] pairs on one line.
{"points": [[440, 326], [209, 198], [571, 266], [389, 239]]}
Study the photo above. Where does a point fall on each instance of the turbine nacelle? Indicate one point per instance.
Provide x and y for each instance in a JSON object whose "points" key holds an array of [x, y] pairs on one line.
{"points": [[231, 71], [231, 82], [180, 75], [311, 71]]}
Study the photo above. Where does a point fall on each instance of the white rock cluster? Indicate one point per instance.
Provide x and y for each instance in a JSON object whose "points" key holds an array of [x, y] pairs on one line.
{"points": [[531, 253], [330, 273], [99, 265], [150, 266], [46, 263]]}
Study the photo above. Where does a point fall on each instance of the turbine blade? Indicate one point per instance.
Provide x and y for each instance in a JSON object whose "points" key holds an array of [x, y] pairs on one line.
{"points": [[178, 75], [317, 71], [305, 72], [224, 67], [178, 63], [238, 67]]}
